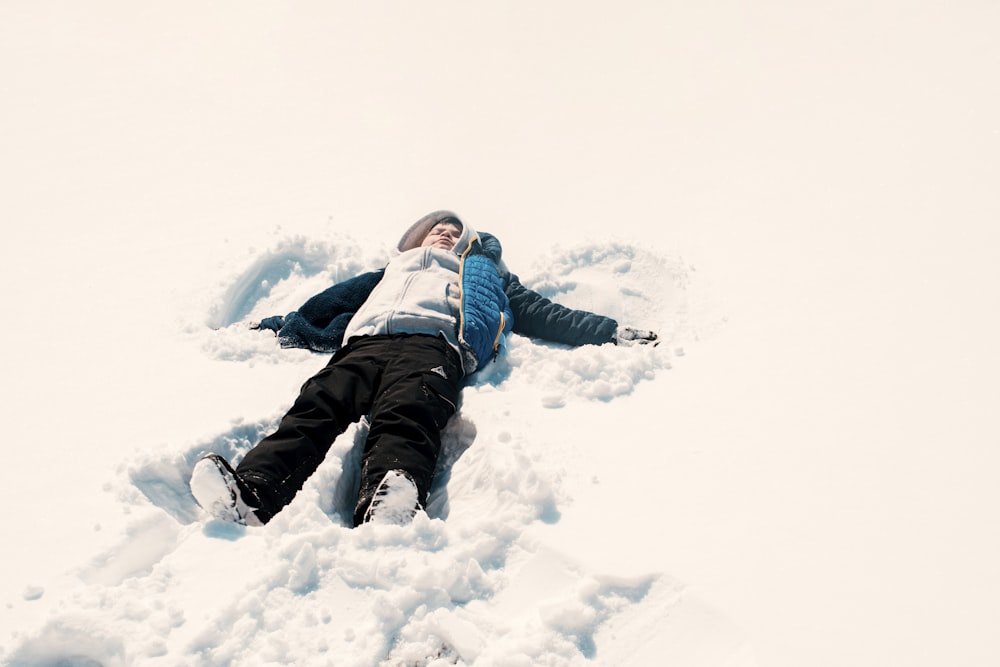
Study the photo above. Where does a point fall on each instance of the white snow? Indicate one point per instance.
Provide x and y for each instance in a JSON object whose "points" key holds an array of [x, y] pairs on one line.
{"points": [[801, 199]]}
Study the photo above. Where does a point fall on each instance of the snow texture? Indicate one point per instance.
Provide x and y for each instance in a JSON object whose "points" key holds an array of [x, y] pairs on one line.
{"points": [[800, 197], [467, 583]]}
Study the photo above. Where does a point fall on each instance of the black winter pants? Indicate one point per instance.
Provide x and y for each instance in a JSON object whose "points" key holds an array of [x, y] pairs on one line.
{"points": [[408, 384]]}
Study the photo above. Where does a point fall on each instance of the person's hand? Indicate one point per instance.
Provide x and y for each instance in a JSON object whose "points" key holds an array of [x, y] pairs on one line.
{"points": [[273, 323], [630, 336]]}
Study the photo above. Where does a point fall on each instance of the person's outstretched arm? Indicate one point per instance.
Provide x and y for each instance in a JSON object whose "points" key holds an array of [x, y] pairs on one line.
{"points": [[538, 317], [320, 323]]}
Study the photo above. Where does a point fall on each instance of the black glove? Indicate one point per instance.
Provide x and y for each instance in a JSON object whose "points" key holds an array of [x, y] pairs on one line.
{"points": [[273, 323], [630, 336]]}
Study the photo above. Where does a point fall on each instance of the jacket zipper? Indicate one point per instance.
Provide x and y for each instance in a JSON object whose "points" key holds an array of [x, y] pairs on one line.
{"points": [[496, 340], [461, 289]]}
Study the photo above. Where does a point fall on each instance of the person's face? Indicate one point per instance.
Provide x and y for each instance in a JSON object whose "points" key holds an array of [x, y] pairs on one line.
{"points": [[443, 235]]}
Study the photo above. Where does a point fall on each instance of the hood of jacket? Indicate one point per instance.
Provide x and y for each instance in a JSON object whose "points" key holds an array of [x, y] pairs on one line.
{"points": [[415, 235]]}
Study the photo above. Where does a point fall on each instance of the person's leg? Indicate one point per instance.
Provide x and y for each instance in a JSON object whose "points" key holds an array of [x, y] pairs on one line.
{"points": [[327, 404], [419, 393]]}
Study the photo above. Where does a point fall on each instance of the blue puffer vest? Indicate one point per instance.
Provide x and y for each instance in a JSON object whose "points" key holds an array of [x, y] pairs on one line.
{"points": [[486, 313]]}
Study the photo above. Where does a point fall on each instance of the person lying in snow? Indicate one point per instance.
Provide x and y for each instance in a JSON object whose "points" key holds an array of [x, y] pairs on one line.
{"points": [[405, 339]]}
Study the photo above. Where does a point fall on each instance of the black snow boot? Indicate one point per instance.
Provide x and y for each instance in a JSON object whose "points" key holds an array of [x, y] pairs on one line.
{"points": [[224, 494]]}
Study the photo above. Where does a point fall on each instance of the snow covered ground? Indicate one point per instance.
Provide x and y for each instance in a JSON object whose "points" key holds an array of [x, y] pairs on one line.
{"points": [[801, 199]]}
